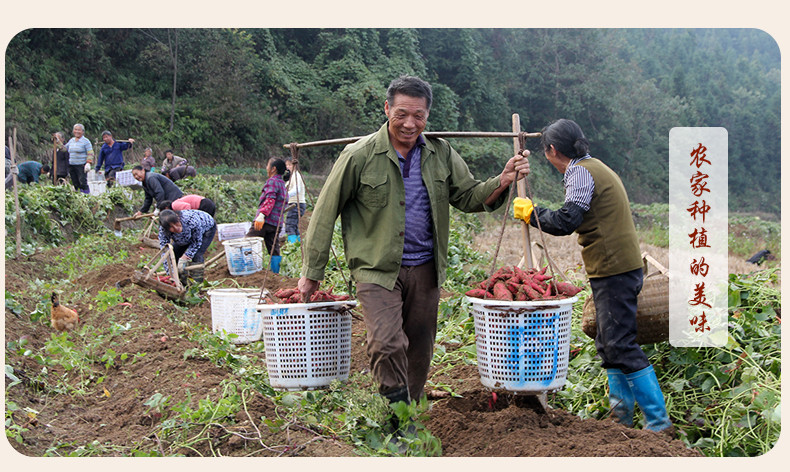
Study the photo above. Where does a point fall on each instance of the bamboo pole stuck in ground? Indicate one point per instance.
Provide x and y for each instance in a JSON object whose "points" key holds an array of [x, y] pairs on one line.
{"points": [[12, 148], [427, 134]]}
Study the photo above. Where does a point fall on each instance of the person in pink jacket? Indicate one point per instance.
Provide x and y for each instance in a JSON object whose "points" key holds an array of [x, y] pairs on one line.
{"points": [[189, 202]]}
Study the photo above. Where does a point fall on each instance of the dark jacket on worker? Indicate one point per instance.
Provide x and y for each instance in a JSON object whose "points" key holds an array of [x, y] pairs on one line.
{"points": [[160, 188]]}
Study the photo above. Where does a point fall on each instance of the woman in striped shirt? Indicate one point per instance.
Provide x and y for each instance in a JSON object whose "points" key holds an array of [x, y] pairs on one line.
{"points": [[596, 208], [80, 152]]}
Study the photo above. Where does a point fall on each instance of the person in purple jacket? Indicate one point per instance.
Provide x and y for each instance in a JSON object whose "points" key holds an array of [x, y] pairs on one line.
{"points": [[111, 155]]}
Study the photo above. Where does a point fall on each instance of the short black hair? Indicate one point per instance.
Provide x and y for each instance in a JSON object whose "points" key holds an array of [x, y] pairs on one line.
{"points": [[138, 168], [278, 164], [412, 87], [169, 150], [165, 205], [45, 168], [105, 132], [167, 218]]}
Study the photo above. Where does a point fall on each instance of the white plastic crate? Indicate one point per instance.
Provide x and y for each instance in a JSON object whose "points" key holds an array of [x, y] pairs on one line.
{"points": [[228, 231], [124, 178], [97, 187], [523, 346], [244, 256], [308, 345], [234, 311]]}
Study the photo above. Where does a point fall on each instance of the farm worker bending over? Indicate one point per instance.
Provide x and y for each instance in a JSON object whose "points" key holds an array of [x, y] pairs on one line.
{"points": [[27, 173], [270, 211], [596, 208], [172, 161], [296, 195], [155, 186], [189, 202], [191, 231], [80, 157], [392, 190], [178, 173], [111, 155]]}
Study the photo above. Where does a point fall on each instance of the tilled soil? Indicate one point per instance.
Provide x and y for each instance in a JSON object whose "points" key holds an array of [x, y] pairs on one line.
{"points": [[114, 411]]}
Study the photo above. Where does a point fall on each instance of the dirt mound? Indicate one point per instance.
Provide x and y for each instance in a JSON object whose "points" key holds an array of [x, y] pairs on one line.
{"points": [[476, 426]]}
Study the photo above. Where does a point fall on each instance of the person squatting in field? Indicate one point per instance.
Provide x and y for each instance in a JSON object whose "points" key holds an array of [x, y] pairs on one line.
{"points": [[596, 208], [392, 190], [191, 232]]}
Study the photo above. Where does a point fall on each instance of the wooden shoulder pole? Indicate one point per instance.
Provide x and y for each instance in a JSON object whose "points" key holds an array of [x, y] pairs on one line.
{"points": [[521, 189]]}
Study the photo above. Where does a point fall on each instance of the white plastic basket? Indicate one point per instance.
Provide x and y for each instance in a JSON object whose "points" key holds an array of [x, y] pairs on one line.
{"points": [[124, 178], [308, 345], [244, 255], [233, 310], [97, 187], [523, 346], [228, 231]]}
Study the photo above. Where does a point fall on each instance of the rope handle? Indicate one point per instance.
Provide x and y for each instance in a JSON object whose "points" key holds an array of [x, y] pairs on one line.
{"points": [[552, 266]]}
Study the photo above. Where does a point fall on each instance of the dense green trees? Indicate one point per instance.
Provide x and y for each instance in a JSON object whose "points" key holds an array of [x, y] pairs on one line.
{"points": [[239, 95]]}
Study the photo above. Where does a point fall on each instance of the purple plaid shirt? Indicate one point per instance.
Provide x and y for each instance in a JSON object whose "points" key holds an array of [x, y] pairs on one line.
{"points": [[274, 188]]}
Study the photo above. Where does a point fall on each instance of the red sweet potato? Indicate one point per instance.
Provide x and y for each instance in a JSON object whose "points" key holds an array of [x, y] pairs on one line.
{"points": [[501, 292], [565, 288], [532, 294], [285, 292], [476, 293]]}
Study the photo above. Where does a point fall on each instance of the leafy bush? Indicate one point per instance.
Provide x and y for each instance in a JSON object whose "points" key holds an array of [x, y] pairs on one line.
{"points": [[52, 215]]}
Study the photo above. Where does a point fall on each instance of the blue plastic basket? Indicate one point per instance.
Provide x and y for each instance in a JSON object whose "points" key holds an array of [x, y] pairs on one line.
{"points": [[523, 346], [244, 255]]}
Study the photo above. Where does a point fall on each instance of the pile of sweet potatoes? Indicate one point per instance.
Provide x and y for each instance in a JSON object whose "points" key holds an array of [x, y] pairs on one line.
{"points": [[292, 295], [515, 284]]}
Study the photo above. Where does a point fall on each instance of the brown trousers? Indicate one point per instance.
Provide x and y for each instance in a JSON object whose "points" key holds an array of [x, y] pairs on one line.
{"points": [[401, 328]]}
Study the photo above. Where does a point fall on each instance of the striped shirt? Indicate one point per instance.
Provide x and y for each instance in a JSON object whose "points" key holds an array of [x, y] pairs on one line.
{"points": [[194, 224], [418, 234], [579, 184], [79, 150]]}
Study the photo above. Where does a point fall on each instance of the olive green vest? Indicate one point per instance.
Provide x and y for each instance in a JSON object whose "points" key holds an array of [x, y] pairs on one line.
{"points": [[607, 234]]}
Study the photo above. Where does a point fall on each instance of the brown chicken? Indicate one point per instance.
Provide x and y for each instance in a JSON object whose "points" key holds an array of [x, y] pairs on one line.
{"points": [[63, 319]]}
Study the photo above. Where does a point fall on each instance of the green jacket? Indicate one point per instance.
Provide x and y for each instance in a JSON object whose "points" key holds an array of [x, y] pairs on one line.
{"points": [[365, 188]]}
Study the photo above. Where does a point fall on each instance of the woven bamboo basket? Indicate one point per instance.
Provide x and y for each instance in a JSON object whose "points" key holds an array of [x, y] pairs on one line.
{"points": [[652, 314]]}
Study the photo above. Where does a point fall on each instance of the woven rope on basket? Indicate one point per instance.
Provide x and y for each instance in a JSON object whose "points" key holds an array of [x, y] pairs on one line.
{"points": [[652, 314]]}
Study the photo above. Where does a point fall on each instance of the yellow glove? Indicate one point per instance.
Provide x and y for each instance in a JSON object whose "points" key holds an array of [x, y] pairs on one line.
{"points": [[522, 208], [258, 224]]}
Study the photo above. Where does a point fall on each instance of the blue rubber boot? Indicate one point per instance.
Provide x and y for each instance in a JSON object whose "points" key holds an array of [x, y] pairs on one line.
{"points": [[275, 264], [647, 393], [621, 398], [294, 238]]}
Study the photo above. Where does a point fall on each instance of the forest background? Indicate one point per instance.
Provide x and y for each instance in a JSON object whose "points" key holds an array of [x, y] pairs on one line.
{"points": [[233, 97]]}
